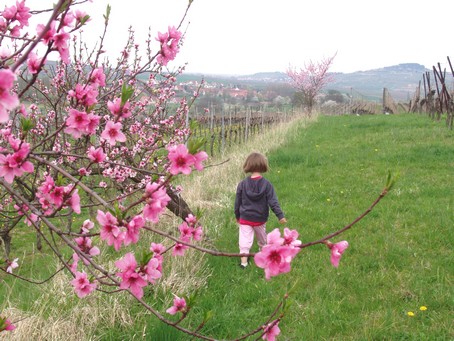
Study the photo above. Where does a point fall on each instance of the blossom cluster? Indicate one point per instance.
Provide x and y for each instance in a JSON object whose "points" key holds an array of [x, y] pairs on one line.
{"points": [[14, 164], [275, 257], [135, 276], [189, 230], [169, 45]]}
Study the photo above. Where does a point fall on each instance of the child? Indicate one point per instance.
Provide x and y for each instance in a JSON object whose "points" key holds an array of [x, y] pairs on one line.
{"points": [[254, 197]]}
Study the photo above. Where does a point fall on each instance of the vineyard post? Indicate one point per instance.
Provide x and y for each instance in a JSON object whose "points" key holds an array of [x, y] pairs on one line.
{"points": [[222, 130], [246, 128]]}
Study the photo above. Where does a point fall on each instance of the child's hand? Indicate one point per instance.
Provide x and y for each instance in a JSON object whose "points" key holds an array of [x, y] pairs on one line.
{"points": [[283, 221]]}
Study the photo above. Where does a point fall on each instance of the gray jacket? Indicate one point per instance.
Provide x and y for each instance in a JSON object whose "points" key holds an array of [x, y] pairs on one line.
{"points": [[254, 198]]}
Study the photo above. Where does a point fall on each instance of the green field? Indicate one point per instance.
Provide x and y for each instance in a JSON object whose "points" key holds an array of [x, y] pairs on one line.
{"points": [[325, 173]]}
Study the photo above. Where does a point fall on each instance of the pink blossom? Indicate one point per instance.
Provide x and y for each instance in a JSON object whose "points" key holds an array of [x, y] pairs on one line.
{"points": [[30, 217], [74, 200], [197, 233], [133, 229], [179, 249], [190, 219], [8, 101], [157, 248], [185, 230], [48, 185], [33, 63], [130, 278], [179, 304], [73, 266], [290, 237], [9, 13], [169, 45], [12, 265], [79, 15], [275, 259], [56, 196], [96, 155], [85, 246], [93, 123], [23, 13], [152, 269], [82, 285], [198, 159], [6, 325], [274, 237], [156, 199], [4, 51], [336, 251], [110, 231], [112, 133], [49, 34], [115, 107], [271, 331], [12, 165], [180, 159], [85, 94], [97, 77], [77, 123], [87, 225], [61, 43]]}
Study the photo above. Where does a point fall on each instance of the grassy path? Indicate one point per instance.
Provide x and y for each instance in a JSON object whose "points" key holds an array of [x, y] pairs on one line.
{"points": [[400, 256]]}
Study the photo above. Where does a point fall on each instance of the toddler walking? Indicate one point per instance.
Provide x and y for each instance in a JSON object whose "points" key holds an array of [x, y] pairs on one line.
{"points": [[255, 195]]}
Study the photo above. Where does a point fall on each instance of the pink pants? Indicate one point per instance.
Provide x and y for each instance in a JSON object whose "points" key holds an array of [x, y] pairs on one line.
{"points": [[247, 237]]}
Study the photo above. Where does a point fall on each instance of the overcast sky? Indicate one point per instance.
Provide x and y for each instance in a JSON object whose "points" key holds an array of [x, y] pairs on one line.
{"points": [[249, 36]]}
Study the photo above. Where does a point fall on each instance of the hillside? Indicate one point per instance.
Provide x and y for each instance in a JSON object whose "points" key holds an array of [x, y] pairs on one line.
{"points": [[401, 81]]}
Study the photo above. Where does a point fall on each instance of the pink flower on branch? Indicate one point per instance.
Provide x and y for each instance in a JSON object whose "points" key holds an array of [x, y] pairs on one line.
{"points": [[85, 246], [131, 279], [169, 45], [198, 159], [80, 123], [271, 331], [179, 305], [6, 325], [8, 101], [29, 216], [275, 257], [119, 110], [133, 230], [12, 165], [336, 251], [156, 199], [82, 286], [110, 231], [85, 94], [12, 265], [96, 154], [180, 159], [153, 269], [112, 133], [34, 63]]}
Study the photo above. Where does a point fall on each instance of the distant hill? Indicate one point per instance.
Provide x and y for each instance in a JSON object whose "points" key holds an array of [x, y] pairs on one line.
{"points": [[400, 80]]}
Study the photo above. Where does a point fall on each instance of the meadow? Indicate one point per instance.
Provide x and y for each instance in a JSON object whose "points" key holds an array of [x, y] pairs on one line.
{"points": [[394, 282]]}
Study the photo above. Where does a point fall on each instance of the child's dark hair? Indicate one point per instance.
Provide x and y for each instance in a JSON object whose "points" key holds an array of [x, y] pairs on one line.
{"points": [[255, 162]]}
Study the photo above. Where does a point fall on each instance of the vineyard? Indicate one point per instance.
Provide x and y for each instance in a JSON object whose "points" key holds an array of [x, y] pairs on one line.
{"points": [[235, 125]]}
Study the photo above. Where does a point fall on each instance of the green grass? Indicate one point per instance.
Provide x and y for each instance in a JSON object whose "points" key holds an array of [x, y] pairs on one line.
{"points": [[400, 256]]}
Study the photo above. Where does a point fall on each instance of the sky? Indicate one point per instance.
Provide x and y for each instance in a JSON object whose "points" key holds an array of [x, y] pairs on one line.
{"points": [[241, 37]]}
